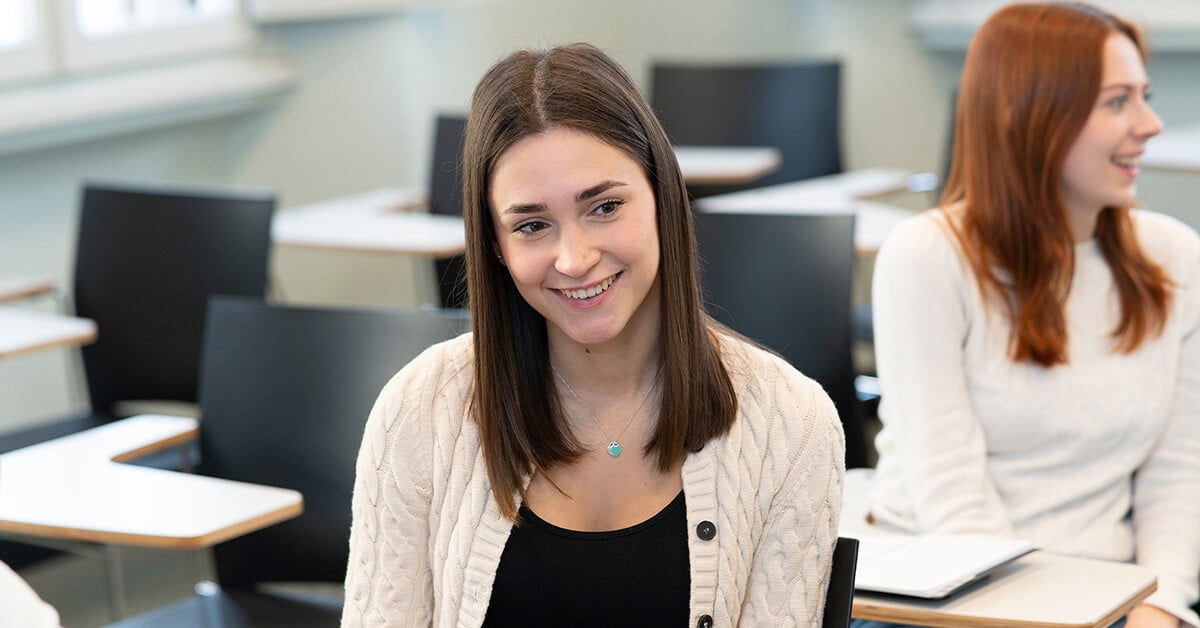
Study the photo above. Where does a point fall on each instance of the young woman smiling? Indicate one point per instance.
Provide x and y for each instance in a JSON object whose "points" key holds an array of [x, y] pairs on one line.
{"points": [[1037, 340], [597, 452]]}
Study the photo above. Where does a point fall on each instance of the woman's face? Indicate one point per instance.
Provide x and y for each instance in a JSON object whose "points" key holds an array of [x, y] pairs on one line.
{"points": [[1102, 166], [576, 228]]}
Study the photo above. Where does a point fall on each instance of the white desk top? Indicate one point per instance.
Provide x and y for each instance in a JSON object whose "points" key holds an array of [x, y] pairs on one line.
{"points": [[14, 287], [70, 488], [823, 195], [1176, 149], [1039, 589], [23, 331], [726, 165], [377, 221]]}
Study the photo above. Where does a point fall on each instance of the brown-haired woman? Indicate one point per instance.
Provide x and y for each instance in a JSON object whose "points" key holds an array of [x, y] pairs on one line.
{"points": [[597, 452], [1036, 338]]}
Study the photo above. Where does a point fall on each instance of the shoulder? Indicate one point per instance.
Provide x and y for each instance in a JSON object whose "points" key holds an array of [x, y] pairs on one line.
{"points": [[1167, 240], [776, 402], [925, 240], [438, 379]]}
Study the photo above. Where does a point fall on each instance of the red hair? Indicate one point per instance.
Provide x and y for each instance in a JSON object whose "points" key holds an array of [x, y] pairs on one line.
{"points": [[1030, 81]]}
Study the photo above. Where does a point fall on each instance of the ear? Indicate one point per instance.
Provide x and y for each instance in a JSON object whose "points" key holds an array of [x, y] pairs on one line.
{"points": [[499, 255]]}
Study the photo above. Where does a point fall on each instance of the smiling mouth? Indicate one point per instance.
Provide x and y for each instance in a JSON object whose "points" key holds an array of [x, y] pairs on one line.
{"points": [[587, 293], [1130, 163]]}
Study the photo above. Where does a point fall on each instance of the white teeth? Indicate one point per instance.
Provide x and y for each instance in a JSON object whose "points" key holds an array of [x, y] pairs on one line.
{"points": [[1127, 162], [590, 292]]}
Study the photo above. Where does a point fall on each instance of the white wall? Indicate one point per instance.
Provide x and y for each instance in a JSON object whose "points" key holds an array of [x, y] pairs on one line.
{"points": [[360, 116]]}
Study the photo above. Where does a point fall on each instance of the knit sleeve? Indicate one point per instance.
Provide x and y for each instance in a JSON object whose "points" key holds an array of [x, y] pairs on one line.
{"points": [[789, 576], [924, 304], [388, 578], [1166, 507]]}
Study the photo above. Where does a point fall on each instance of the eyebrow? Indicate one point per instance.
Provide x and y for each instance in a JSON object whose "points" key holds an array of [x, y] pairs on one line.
{"points": [[592, 192]]}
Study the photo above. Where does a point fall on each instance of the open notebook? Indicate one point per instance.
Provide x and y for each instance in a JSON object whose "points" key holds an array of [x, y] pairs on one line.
{"points": [[930, 565]]}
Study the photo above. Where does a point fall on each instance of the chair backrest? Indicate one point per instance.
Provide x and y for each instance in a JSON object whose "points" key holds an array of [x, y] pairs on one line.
{"points": [[839, 598], [446, 197], [285, 393], [784, 280], [147, 260], [794, 107]]}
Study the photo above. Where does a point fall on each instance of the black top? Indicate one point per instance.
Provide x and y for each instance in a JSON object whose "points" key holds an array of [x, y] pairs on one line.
{"points": [[638, 576]]}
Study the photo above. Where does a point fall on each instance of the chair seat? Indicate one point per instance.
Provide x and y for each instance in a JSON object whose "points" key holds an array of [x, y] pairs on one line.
{"points": [[241, 609]]}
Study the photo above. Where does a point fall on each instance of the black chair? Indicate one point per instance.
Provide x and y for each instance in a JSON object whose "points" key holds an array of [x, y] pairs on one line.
{"points": [[839, 598], [146, 262], [285, 393], [794, 107], [784, 280], [446, 198]]}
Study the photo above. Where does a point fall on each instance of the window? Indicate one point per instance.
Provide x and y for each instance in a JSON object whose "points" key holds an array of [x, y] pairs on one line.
{"points": [[72, 70]]}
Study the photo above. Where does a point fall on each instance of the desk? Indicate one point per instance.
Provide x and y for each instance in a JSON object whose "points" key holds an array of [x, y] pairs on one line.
{"points": [[838, 193], [377, 221], [14, 287], [726, 165], [24, 331], [1176, 149], [1038, 590], [75, 488]]}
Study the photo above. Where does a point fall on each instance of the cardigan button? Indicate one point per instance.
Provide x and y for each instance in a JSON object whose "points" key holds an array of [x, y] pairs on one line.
{"points": [[706, 531], [705, 621]]}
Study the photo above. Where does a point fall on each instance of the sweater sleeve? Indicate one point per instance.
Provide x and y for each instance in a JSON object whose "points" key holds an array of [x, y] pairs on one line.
{"points": [[789, 576], [388, 579], [1166, 506], [923, 297]]}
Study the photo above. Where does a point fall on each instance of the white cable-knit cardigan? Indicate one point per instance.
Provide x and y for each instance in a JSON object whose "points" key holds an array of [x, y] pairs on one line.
{"points": [[427, 536], [974, 442]]}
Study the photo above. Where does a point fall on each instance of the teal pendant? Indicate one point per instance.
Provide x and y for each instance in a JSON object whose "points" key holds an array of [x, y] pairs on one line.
{"points": [[614, 449]]}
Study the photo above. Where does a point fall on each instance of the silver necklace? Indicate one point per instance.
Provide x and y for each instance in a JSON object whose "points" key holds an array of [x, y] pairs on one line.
{"points": [[614, 447]]}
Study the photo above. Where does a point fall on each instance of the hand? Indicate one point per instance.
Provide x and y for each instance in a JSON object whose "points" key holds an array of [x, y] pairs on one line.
{"points": [[1146, 616]]}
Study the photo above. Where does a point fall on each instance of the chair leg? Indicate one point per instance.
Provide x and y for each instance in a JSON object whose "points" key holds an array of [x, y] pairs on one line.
{"points": [[116, 582]]}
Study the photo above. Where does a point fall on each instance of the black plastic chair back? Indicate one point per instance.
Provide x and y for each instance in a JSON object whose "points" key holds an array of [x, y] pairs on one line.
{"points": [[785, 281], [446, 198], [794, 107], [285, 393], [146, 263], [839, 598]]}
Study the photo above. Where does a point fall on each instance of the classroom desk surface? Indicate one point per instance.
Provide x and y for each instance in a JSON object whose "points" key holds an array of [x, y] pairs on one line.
{"points": [[1037, 590], [75, 488], [726, 165], [837, 193], [1176, 149], [24, 331], [14, 287]]}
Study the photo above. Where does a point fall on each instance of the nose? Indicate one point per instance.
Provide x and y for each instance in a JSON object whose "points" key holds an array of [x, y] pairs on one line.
{"points": [[576, 252], [1148, 123]]}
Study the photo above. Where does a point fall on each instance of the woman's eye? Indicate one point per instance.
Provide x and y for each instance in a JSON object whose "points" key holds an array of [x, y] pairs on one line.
{"points": [[608, 207], [531, 227], [1117, 103]]}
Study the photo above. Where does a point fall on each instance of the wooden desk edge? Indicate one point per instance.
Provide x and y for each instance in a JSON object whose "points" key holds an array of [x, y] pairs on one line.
{"points": [[867, 610], [166, 443], [29, 291], [290, 511], [81, 339], [435, 253]]}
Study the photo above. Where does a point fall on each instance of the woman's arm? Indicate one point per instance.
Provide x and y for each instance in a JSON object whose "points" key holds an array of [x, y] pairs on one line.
{"points": [[924, 303], [388, 579], [1166, 498], [790, 573]]}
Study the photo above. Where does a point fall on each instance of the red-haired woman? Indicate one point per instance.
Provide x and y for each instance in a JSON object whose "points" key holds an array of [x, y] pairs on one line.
{"points": [[1037, 338]]}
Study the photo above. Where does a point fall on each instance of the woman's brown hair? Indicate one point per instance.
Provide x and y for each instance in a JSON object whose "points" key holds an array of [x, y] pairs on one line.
{"points": [[514, 400], [1030, 81]]}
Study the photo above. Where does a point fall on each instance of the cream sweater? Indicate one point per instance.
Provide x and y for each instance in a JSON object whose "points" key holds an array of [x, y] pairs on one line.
{"points": [[973, 442], [427, 537]]}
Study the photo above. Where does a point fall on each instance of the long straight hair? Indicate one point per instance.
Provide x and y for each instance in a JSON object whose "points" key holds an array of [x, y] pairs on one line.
{"points": [[1030, 81], [515, 400]]}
